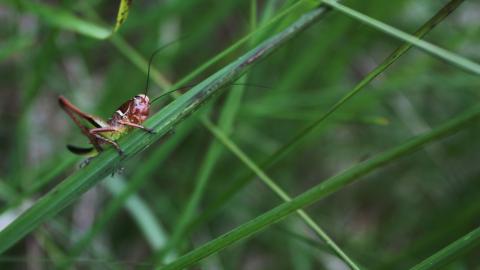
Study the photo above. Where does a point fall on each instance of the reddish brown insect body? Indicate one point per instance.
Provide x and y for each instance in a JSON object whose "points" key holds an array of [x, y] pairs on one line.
{"points": [[130, 115], [136, 110]]}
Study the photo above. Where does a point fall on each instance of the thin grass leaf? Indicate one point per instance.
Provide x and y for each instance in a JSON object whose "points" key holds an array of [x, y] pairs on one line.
{"points": [[226, 120], [322, 190], [162, 122], [163, 82], [299, 5], [64, 19], [458, 217], [54, 169], [153, 231], [281, 193], [394, 56], [138, 60], [42, 177], [451, 252], [134, 184], [430, 48], [211, 157], [301, 136]]}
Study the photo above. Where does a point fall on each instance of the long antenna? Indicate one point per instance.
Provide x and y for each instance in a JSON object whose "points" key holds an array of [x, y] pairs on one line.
{"points": [[193, 85], [153, 55], [166, 93]]}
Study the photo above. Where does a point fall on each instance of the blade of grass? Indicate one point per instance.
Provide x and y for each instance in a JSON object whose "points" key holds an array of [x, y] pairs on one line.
{"points": [[451, 252], [323, 189], [204, 173], [30, 85], [139, 61], [226, 120], [43, 176], [55, 168], [153, 231], [395, 55], [458, 217], [134, 184], [289, 10], [314, 125], [430, 48], [162, 82], [64, 19], [280, 192], [162, 122]]}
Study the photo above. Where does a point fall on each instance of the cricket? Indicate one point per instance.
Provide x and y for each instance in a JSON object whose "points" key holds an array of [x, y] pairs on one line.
{"points": [[127, 117], [130, 115]]}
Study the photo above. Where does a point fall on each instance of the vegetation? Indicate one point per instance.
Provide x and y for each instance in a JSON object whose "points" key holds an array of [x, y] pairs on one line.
{"points": [[366, 111]]}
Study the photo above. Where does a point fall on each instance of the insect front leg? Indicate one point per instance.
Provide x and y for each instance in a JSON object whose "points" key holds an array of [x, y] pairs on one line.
{"points": [[130, 124], [96, 132]]}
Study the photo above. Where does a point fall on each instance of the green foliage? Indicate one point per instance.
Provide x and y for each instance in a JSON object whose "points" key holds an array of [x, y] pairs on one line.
{"points": [[347, 100]]}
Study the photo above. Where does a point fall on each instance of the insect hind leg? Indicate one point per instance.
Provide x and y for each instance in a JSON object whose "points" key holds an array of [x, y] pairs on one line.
{"points": [[75, 113]]}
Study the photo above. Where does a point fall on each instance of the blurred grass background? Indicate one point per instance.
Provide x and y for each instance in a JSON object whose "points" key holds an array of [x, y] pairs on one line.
{"points": [[400, 215]]}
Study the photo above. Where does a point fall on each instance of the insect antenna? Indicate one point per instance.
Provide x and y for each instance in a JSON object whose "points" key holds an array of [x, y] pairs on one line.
{"points": [[183, 87], [169, 92], [193, 85], [153, 55]]}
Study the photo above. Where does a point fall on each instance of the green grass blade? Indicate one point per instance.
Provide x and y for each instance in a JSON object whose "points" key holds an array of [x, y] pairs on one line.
{"points": [[138, 179], [64, 19], [315, 124], [291, 9], [153, 231], [432, 49], [322, 190], [280, 192], [450, 252], [226, 120], [163, 82], [204, 173], [394, 56], [162, 122], [42, 177], [139, 61]]}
